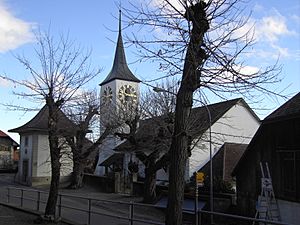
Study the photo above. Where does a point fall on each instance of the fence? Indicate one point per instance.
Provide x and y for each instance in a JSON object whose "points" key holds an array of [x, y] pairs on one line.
{"points": [[71, 207], [74, 207]]}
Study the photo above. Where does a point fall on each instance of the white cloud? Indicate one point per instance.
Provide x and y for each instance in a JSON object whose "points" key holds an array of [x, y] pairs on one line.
{"points": [[296, 18], [175, 4], [258, 8], [268, 32], [268, 28], [4, 82], [272, 27], [14, 32]]}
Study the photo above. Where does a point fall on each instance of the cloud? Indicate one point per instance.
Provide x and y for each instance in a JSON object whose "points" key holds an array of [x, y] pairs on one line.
{"points": [[175, 4], [4, 82], [269, 33], [14, 32], [272, 27], [296, 18], [258, 8]]}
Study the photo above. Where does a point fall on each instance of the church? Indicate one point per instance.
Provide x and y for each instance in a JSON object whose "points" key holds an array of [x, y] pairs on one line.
{"points": [[119, 90], [231, 123]]}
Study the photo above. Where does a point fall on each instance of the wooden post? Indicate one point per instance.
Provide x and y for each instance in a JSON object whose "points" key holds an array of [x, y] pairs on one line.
{"points": [[8, 195], [131, 213], [90, 208], [59, 206], [196, 200], [38, 201], [22, 197]]}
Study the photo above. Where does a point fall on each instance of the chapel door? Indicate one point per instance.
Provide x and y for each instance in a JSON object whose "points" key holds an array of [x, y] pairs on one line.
{"points": [[25, 171]]}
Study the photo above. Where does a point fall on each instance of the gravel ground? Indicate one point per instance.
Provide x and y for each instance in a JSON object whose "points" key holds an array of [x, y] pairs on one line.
{"points": [[11, 216]]}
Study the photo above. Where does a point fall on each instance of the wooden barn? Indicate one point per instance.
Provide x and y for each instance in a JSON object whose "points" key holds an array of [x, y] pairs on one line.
{"points": [[277, 142]]}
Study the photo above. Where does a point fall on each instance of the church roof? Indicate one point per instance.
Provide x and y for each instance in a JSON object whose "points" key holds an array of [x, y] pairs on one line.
{"points": [[39, 123], [120, 68], [198, 123]]}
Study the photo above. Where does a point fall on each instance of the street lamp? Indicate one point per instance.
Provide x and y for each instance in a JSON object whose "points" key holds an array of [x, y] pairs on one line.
{"points": [[158, 89]]}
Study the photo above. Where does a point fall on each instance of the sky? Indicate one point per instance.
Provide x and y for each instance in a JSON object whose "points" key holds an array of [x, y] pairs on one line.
{"points": [[93, 25]]}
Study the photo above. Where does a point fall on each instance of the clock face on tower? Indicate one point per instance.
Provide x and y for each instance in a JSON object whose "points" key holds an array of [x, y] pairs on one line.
{"points": [[107, 95], [127, 94]]}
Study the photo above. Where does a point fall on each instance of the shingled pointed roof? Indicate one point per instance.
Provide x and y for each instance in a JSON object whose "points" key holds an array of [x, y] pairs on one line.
{"points": [[40, 123], [120, 68], [198, 123], [289, 109]]}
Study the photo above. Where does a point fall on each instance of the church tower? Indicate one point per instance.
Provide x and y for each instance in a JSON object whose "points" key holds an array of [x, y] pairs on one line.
{"points": [[120, 86], [119, 89]]}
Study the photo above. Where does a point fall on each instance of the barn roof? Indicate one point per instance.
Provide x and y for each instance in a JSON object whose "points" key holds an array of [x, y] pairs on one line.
{"points": [[289, 110]]}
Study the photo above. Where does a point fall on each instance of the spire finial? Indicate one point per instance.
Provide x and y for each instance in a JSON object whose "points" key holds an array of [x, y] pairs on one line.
{"points": [[120, 25]]}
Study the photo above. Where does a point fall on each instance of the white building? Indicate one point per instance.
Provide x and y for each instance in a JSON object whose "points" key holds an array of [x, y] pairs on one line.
{"points": [[231, 122], [34, 165], [119, 91]]}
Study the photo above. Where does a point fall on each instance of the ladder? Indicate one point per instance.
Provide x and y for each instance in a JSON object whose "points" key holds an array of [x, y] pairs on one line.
{"points": [[267, 207]]}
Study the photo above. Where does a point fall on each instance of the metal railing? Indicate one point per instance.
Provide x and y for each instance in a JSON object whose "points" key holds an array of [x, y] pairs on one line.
{"points": [[241, 218], [91, 209]]}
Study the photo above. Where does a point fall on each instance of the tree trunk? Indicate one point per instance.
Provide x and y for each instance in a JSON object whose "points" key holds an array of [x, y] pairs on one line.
{"points": [[53, 138], [149, 186], [77, 175], [55, 175], [178, 157], [195, 56]]}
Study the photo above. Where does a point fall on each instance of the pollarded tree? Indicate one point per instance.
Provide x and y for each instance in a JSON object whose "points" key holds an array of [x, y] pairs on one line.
{"points": [[61, 70], [155, 114], [205, 46], [84, 112]]}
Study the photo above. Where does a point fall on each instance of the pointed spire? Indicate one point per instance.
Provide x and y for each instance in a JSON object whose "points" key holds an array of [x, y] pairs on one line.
{"points": [[120, 23], [120, 68]]}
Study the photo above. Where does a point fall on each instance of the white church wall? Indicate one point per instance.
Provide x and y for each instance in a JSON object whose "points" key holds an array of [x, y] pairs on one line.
{"points": [[105, 151], [110, 112], [43, 165], [25, 155], [237, 125], [43, 156], [120, 83]]}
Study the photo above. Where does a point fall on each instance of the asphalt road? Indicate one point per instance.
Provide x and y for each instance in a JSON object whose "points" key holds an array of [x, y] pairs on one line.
{"points": [[103, 212]]}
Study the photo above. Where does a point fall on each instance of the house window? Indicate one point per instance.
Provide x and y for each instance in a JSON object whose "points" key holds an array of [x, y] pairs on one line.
{"points": [[290, 174], [4, 148], [26, 141]]}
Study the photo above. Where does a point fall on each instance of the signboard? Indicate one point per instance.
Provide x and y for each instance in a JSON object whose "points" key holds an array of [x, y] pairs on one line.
{"points": [[200, 178]]}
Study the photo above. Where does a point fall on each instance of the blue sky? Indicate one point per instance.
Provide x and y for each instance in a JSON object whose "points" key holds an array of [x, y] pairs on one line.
{"points": [[93, 25]]}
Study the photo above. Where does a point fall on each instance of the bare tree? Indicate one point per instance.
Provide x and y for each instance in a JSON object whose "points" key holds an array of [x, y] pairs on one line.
{"points": [[156, 113], [63, 69], [84, 111], [205, 47]]}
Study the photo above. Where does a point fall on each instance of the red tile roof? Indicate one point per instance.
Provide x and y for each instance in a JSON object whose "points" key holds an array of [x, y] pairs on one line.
{"points": [[2, 134]]}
